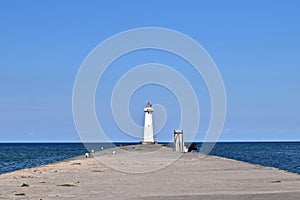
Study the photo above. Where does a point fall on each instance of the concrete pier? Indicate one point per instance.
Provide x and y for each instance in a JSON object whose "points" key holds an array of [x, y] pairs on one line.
{"points": [[188, 177]]}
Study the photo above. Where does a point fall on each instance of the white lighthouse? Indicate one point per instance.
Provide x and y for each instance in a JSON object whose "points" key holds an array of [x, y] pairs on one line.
{"points": [[148, 127]]}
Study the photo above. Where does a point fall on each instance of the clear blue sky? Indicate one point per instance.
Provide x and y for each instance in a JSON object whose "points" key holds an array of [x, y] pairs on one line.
{"points": [[255, 44]]}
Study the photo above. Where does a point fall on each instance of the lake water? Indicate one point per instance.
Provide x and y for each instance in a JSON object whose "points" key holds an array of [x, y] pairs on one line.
{"points": [[281, 155]]}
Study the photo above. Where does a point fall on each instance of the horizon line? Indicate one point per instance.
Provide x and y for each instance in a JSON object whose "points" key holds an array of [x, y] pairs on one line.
{"points": [[224, 141]]}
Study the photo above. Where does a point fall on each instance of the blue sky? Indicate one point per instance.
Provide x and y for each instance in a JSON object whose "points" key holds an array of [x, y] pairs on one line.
{"points": [[255, 44]]}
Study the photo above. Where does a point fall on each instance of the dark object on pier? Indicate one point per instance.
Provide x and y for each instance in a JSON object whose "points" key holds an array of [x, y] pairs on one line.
{"points": [[193, 147]]}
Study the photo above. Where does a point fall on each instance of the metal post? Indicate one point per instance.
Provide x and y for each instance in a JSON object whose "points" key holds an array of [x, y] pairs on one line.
{"points": [[178, 141]]}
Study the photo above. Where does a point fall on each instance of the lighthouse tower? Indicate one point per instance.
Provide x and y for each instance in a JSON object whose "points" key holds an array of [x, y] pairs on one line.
{"points": [[148, 127]]}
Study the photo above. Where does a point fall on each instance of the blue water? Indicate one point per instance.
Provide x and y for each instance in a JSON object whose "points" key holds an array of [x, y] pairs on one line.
{"points": [[282, 155], [16, 156]]}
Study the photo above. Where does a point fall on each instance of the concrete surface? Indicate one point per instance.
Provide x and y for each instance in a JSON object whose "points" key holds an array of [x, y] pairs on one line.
{"points": [[175, 176]]}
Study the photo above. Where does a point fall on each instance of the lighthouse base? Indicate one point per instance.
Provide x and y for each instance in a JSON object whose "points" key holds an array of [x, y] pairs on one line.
{"points": [[145, 142]]}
